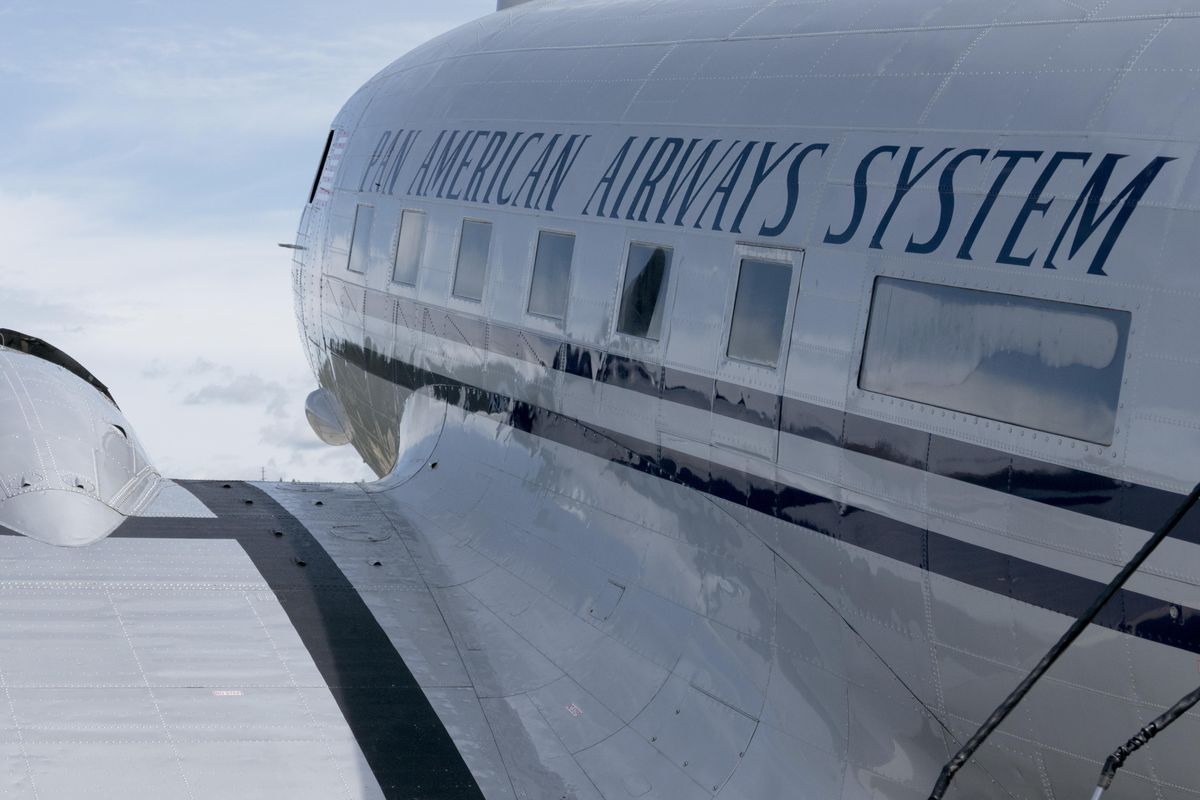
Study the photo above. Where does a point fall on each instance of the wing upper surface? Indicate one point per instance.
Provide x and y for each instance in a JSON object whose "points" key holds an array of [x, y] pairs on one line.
{"points": [[574, 648], [492, 620]]}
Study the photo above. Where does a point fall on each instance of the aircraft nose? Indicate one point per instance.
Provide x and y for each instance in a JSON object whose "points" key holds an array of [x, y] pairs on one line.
{"points": [[59, 517]]}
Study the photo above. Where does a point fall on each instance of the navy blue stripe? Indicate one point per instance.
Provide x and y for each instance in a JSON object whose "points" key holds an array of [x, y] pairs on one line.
{"points": [[811, 421], [970, 463], [629, 373], [1025, 581], [688, 389], [1096, 496], [579, 361], [748, 405], [884, 440]]}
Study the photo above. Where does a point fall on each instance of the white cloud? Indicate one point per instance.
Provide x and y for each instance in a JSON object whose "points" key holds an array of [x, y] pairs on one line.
{"points": [[188, 85], [294, 435], [243, 390], [155, 156], [172, 323], [155, 369], [201, 366]]}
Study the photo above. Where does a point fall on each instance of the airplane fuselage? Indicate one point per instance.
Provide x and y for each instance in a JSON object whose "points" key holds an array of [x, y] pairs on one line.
{"points": [[916, 315]]}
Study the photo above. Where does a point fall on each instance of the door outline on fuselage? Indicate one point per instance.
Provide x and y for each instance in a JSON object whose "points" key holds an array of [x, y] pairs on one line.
{"points": [[765, 378]]}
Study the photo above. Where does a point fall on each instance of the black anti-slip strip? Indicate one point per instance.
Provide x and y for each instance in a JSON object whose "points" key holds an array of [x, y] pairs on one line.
{"points": [[1175, 625], [406, 745], [1097, 496]]}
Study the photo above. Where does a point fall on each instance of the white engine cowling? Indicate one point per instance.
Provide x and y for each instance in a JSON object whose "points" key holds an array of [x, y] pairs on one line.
{"points": [[71, 469], [326, 417]]}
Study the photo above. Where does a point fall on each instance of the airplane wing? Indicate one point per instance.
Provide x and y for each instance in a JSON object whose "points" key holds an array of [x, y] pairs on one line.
{"points": [[479, 624]]}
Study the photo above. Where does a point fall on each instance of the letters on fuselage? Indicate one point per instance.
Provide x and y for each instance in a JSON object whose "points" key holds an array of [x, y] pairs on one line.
{"points": [[712, 184]]}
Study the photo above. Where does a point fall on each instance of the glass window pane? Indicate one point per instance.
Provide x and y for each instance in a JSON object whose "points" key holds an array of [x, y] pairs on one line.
{"points": [[360, 242], [472, 259], [409, 245], [1051, 366], [551, 274], [643, 296], [759, 311]]}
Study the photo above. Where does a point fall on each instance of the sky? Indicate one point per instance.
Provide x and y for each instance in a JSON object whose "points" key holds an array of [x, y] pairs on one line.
{"points": [[155, 154]]}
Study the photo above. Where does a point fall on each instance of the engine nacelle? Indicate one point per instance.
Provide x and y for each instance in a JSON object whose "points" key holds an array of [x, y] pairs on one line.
{"points": [[327, 418], [71, 469]]}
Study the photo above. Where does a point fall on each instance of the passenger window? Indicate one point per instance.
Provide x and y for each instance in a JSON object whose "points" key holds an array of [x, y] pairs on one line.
{"points": [[644, 293], [360, 241], [759, 310], [409, 245], [551, 274], [1041, 364], [473, 247]]}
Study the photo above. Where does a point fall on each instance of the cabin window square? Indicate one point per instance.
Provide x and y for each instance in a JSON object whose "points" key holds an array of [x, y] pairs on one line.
{"points": [[409, 245], [643, 295], [360, 241], [551, 283], [473, 248], [759, 311], [1042, 364]]}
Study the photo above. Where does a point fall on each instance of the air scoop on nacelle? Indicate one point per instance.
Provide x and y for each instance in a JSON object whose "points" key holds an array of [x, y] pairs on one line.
{"points": [[70, 467]]}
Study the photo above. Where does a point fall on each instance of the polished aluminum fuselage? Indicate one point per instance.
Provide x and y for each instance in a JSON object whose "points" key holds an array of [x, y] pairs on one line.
{"points": [[959, 144]]}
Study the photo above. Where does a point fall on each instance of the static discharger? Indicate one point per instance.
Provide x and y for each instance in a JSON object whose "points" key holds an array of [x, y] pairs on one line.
{"points": [[1077, 628], [1142, 738]]}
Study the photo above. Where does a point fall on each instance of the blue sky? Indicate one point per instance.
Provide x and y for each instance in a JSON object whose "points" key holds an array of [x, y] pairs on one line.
{"points": [[154, 154]]}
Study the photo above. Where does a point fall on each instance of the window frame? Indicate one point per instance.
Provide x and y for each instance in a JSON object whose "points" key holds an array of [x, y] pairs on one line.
{"points": [[537, 241], [487, 260], [420, 247], [960, 414], [668, 293], [316, 184], [358, 207], [794, 260]]}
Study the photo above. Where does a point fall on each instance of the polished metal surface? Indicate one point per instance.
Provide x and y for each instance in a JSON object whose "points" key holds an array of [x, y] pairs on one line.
{"points": [[1056, 367], [71, 468], [326, 417], [751, 576], [160, 668], [760, 519], [607, 656]]}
